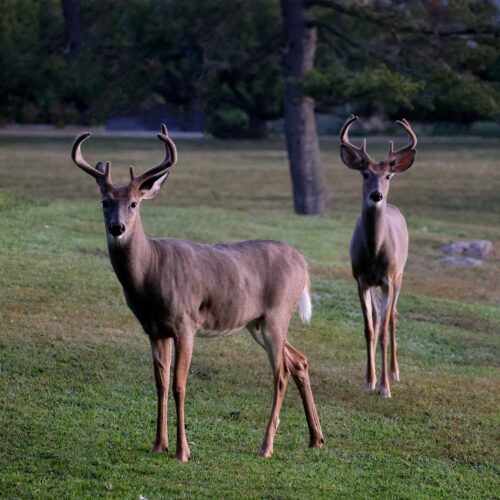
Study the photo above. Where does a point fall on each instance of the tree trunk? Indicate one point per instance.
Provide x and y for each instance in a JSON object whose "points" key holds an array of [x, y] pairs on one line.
{"points": [[71, 12], [309, 191]]}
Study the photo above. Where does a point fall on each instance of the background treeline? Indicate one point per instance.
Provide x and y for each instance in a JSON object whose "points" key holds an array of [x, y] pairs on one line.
{"points": [[83, 61]]}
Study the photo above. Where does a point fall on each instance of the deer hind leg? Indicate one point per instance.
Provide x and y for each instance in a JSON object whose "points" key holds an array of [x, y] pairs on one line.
{"points": [[271, 337], [183, 353], [394, 375], [296, 363], [162, 356], [367, 309], [387, 307]]}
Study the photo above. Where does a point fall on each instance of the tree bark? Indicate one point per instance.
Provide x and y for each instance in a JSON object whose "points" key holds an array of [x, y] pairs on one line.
{"points": [[72, 21], [309, 191]]}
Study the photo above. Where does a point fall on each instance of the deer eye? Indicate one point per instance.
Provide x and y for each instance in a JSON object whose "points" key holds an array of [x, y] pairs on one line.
{"points": [[365, 175], [105, 203], [388, 177], [133, 204]]}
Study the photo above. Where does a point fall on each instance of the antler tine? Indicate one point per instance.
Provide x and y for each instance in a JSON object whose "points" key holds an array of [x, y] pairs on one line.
{"points": [[412, 142], [344, 132], [169, 160], [344, 138], [79, 160]]}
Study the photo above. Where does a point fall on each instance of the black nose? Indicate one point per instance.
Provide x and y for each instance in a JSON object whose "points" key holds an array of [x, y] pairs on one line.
{"points": [[376, 196], [116, 229]]}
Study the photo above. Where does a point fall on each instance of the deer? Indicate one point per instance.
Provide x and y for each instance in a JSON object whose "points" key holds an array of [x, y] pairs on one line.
{"points": [[178, 290], [379, 248]]}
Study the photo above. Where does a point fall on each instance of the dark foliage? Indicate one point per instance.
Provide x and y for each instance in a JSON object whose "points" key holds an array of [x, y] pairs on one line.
{"points": [[437, 60]]}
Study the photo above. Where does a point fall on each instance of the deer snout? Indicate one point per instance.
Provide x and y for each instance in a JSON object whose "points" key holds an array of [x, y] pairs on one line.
{"points": [[116, 229], [376, 196]]}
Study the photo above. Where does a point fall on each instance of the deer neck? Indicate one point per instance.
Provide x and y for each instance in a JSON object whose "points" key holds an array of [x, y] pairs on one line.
{"points": [[373, 221], [131, 257]]}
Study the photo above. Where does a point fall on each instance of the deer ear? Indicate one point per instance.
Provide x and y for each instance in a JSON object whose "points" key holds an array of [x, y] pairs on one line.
{"points": [[403, 161], [149, 188], [351, 158]]}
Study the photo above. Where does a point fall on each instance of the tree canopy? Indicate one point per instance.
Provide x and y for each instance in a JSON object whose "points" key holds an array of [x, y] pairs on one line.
{"points": [[437, 59]]}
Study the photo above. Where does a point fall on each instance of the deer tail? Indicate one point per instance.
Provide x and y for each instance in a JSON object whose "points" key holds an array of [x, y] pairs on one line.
{"points": [[305, 306]]}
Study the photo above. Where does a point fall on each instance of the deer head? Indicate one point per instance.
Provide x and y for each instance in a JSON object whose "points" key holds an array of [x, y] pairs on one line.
{"points": [[376, 175], [121, 202]]}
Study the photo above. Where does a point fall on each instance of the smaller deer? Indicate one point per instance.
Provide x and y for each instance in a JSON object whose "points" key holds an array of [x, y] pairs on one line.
{"points": [[178, 289], [379, 248]]}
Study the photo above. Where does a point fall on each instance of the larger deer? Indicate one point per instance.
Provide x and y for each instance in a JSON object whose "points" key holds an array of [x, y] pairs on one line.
{"points": [[379, 248], [178, 289]]}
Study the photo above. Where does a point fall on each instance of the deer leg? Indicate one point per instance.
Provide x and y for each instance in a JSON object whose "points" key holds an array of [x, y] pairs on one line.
{"points": [[387, 303], [162, 356], [296, 363], [183, 353], [367, 310], [274, 344], [376, 314], [394, 375]]}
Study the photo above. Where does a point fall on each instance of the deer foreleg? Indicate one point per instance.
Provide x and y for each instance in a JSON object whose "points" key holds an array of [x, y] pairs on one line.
{"points": [[387, 306], [394, 375], [296, 362], [370, 336], [162, 356], [183, 353]]}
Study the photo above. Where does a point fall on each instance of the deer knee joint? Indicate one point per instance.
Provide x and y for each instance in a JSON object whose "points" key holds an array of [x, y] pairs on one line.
{"points": [[383, 338], [282, 381], [302, 364], [179, 392]]}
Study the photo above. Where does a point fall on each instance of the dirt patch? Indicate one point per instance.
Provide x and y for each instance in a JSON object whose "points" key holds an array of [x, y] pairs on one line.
{"points": [[484, 289], [448, 287]]}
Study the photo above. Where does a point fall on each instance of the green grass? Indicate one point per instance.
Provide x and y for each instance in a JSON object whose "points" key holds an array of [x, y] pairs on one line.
{"points": [[77, 398]]}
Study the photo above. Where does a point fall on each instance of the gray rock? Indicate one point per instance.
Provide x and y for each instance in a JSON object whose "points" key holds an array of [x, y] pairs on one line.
{"points": [[460, 261], [477, 249]]}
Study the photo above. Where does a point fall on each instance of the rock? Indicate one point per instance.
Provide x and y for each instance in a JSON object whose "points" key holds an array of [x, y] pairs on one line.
{"points": [[460, 261], [477, 249]]}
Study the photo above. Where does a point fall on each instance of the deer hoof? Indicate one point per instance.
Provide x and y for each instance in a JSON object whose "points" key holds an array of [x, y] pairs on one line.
{"points": [[265, 453], [183, 456], [385, 392], [316, 442], [394, 375], [370, 386], [159, 448]]}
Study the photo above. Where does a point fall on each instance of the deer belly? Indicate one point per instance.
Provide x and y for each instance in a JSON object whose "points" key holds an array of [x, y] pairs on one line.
{"points": [[217, 333]]}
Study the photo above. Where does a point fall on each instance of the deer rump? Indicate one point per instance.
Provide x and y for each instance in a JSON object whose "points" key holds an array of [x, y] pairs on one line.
{"points": [[220, 289]]}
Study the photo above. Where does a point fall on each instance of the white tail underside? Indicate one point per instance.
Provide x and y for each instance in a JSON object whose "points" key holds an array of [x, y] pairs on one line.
{"points": [[305, 306]]}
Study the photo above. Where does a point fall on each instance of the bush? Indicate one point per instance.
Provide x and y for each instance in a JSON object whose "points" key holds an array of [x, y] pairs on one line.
{"points": [[228, 123]]}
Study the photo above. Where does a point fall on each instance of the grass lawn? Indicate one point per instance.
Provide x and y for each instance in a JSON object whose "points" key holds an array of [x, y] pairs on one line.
{"points": [[77, 397]]}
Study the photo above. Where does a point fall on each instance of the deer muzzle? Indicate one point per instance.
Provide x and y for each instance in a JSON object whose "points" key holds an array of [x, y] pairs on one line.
{"points": [[116, 229], [376, 196]]}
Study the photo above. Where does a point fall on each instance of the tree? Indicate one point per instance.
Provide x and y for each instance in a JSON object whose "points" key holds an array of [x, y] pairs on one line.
{"points": [[309, 189], [434, 59], [386, 56], [243, 67], [71, 11]]}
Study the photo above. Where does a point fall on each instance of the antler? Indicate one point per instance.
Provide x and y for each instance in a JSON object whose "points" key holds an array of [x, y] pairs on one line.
{"points": [[344, 139], [77, 157], [169, 160], [412, 144]]}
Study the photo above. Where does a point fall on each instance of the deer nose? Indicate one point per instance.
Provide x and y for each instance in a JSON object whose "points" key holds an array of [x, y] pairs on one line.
{"points": [[376, 196], [116, 229]]}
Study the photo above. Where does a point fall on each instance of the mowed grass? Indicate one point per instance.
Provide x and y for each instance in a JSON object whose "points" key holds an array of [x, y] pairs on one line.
{"points": [[77, 412]]}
